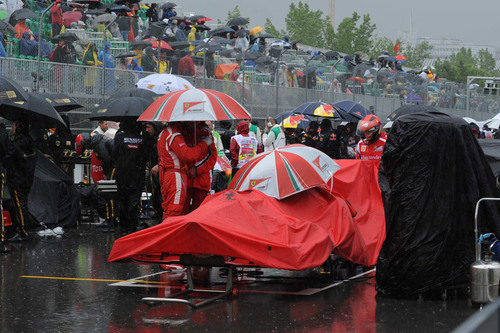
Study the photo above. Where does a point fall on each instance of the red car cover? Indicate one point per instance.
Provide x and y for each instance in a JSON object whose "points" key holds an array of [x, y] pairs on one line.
{"points": [[296, 233]]}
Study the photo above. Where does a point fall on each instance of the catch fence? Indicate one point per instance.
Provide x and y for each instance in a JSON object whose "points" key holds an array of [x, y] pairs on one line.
{"points": [[91, 85]]}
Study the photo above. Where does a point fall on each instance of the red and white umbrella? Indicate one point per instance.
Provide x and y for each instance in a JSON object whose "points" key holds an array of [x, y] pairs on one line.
{"points": [[285, 171], [194, 105]]}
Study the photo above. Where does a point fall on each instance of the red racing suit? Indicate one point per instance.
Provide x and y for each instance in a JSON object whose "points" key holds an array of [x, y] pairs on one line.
{"points": [[372, 151], [199, 186], [174, 157]]}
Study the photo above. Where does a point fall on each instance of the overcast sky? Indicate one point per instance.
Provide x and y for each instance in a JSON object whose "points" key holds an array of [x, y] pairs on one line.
{"points": [[470, 21]]}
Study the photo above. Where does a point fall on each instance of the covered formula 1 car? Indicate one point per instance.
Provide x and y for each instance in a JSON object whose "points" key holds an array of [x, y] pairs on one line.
{"points": [[295, 233]]}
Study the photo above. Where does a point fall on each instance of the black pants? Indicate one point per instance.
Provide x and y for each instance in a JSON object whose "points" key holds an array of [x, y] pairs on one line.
{"points": [[156, 198], [2, 187], [21, 218], [129, 201], [56, 29]]}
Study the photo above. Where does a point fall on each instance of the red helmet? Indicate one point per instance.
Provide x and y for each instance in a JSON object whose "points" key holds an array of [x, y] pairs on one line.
{"points": [[368, 126], [80, 142]]}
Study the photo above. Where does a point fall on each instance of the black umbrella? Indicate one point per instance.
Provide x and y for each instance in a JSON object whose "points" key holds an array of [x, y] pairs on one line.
{"points": [[104, 18], [68, 36], [96, 11], [135, 92], [122, 2], [178, 45], [242, 33], [229, 53], [126, 55], [35, 110], [140, 44], [202, 27], [120, 109], [168, 5], [237, 21], [221, 30], [6, 27], [195, 18], [11, 91], [266, 35], [61, 102], [22, 14], [209, 46], [249, 56], [332, 55]]}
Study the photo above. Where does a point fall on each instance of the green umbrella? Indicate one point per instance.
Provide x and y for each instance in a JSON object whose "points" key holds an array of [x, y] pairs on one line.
{"points": [[3, 14]]}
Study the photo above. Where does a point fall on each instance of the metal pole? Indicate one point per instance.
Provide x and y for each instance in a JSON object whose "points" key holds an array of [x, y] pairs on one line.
{"points": [[467, 100], [277, 82], [39, 56], [104, 41]]}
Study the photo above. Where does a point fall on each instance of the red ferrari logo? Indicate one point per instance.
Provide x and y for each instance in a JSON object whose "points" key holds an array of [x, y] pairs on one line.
{"points": [[190, 107], [256, 182], [317, 163]]}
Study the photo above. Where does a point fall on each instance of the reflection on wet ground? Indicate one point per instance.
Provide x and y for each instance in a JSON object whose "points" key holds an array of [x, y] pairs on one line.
{"points": [[46, 304]]}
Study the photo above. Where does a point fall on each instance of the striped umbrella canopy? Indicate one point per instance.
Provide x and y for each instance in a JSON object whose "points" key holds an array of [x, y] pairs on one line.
{"points": [[194, 105], [285, 171]]}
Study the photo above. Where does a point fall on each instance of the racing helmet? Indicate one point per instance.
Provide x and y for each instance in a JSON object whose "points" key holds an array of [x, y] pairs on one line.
{"points": [[80, 142], [369, 128]]}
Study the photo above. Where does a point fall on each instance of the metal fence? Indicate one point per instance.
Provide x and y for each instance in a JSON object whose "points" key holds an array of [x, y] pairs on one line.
{"points": [[91, 85]]}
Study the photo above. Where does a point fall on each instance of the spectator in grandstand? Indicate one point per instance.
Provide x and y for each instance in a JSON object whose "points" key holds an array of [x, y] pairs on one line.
{"points": [[124, 24], [180, 35], [186, 66], [56, 18], [3, 53], [21, 28], [149, 60], [134, 65], [168, 13], [152, 13]]}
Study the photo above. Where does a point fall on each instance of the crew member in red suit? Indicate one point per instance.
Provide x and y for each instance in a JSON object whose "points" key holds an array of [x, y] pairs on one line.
{"points": [[175, 156], [371, 145], [199, 173]]}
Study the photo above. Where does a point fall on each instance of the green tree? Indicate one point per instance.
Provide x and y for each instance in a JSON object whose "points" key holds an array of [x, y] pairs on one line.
{"points": [[487, 61], [415, 55], [231, 14], [305, 24], [460, 65], [381, 44], [328, 35], [271, 29], [352, 36]]}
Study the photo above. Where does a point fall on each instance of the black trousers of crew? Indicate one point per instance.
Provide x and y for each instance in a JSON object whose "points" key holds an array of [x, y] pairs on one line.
{"points": [[129, 202], [21, 217], [2, 180]]}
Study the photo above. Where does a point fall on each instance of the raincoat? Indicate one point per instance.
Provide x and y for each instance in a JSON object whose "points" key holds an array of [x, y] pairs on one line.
{"points": [[191, 38], [180, 36], [134, 65], [21, 28], [107, 58], [3, 53]]}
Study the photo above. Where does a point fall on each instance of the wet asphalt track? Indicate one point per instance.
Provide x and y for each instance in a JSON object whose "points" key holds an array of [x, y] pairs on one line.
{"points": [[34, 298]]}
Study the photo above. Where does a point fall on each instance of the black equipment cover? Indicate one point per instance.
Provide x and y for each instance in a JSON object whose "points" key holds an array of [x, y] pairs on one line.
{"points": [[53, 199], [432, 174]]}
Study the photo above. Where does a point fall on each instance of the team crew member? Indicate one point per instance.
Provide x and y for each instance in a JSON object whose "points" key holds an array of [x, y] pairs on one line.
{"points": [[243, 147], [130, 159], [371, 146], [20, 164], [174, 158], [274, 136], [4, 145], [199, 174], [328, 141]]}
